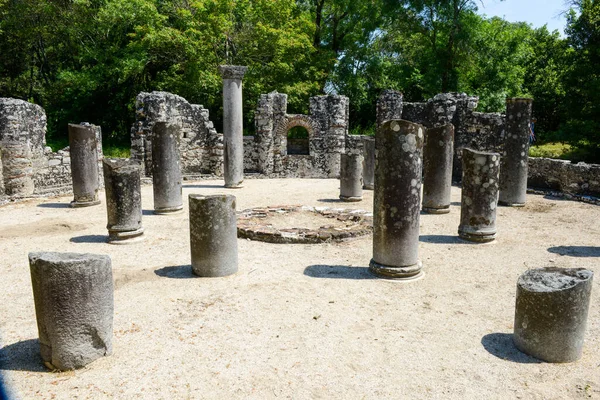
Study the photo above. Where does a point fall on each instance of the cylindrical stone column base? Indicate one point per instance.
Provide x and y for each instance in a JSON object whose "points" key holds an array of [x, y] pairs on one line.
{"points": [[351, 184], [213, 235], [479, 197], [73, 295], [369, 163], [397, 200], [123, 200], [551, 313], [166, 171], [438, 154], [84, 165]]}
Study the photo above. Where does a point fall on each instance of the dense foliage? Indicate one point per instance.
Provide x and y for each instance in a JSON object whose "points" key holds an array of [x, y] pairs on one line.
{"points": [[86, 60]]}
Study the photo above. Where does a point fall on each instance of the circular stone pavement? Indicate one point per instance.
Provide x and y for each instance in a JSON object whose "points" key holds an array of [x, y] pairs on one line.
{"points": [[303, 224]]}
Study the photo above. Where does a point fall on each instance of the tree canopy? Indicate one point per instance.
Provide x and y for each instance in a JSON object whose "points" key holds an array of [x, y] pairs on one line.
{"points": [[86, 60]]}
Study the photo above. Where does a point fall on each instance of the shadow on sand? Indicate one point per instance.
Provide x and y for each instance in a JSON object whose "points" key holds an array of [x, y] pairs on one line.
{"points": [[501, 345], [441, 239], [22, 356], [338, 272], [89, 239], [176, 272], [54, 205], [576, 251]]}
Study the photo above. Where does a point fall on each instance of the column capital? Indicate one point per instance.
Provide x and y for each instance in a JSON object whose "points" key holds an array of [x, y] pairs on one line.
{"points": [[232, 71]]}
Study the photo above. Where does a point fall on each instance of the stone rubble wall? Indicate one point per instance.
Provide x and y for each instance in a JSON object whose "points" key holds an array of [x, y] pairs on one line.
{"points": [[22, 142], [474, 130], [564, 176], [201, 147], [327, 126]]}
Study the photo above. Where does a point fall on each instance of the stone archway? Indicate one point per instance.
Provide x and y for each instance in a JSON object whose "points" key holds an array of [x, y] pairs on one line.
{"points": [[297, 146]]}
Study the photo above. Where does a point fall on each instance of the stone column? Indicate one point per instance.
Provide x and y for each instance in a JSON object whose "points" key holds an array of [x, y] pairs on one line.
{"points": [[73, 295], [84, 165], [396, 206], [551, 313], [369, 163], [438, 154], [17, 168], [166, 172], [479, 195], [233, 171], [351, 183], [123, 200], [513, 172], [213, 235]]}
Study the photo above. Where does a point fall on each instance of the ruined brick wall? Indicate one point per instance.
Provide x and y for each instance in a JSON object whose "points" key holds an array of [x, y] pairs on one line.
{"points": [[200, 146], [327, 126]]}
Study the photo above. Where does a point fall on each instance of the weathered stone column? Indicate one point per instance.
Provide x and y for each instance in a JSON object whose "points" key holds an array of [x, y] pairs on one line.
{"points": [[551, 313], [233, 125], [17, 168], [369, 163], [513, 172], [84, 165], [438, 154], [73, 295], [213, 235], [166, 171], [479, 195], [396, 206], [123, 200], [351, 183]]}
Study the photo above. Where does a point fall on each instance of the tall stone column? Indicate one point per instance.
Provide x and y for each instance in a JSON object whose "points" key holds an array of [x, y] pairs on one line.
{"points": [[73, 296], [123, 200], [166, 170], [351, 184], [369, 163], [213, 235], [233, 124], [396, 206], [551, 312], [513, 172], [84, 165], [438, 154], [479, 195]]}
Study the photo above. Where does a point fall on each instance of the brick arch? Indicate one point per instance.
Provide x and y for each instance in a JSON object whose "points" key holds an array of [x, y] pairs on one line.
{"points": [[290, 121], [293, 120]]}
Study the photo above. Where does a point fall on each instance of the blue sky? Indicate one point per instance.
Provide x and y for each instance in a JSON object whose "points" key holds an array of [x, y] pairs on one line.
{"points": [[535, 12]]}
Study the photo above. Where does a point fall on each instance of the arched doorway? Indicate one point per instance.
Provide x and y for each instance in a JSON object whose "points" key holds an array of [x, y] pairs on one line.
{"points": [[297, 141]]}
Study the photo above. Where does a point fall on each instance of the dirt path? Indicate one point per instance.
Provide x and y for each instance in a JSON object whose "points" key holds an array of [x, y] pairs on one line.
{"points": [[303, 321]]}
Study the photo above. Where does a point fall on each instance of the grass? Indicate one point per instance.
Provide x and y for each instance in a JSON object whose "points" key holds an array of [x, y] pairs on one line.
{"points": [[109, 150], [551, 150], [563, 151]]}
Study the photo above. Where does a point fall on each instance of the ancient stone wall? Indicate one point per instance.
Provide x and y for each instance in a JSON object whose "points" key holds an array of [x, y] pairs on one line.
{"points": [[327, 126], [474, 130], [22, 142], [564, 176], [201, 147]]}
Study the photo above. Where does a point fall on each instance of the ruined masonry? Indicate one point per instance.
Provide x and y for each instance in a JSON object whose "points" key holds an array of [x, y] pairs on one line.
{"points": [[27, 166], [200, 146], [327, 126]]}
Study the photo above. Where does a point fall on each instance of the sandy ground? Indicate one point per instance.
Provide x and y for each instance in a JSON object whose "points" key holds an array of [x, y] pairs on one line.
{"points": [[303, 321]]}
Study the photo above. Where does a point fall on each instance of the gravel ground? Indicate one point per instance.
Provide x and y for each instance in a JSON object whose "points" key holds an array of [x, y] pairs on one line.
{"points": [[303, 321]]}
